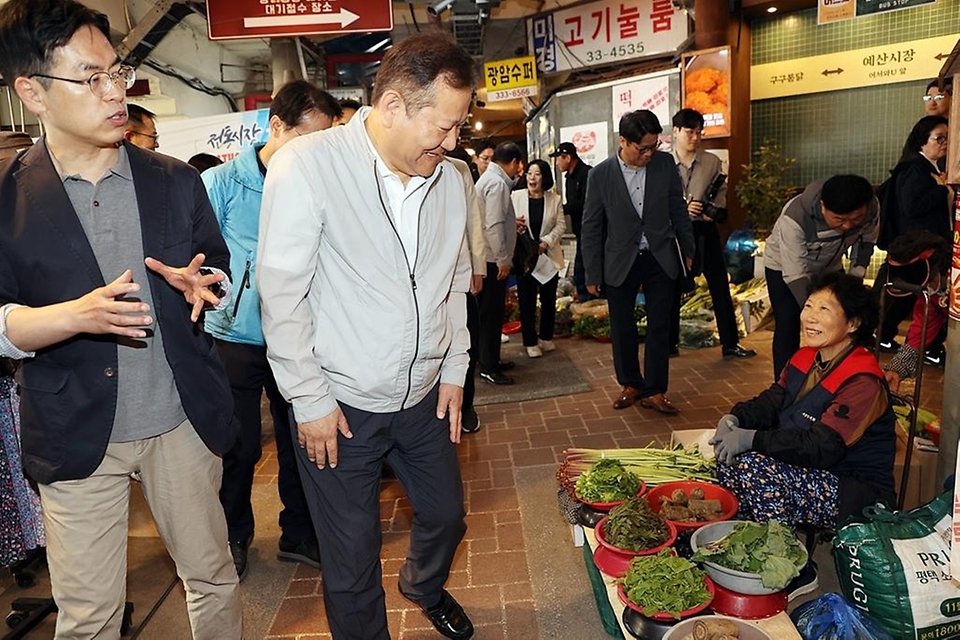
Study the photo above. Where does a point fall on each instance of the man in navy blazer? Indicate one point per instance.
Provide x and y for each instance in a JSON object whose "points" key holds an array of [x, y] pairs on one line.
{"points": [[118, 377], [635, 225]]}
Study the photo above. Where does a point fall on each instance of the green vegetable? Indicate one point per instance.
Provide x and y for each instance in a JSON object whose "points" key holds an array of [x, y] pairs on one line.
{"points": [[607, 481], [665, 583], [653, 464], [634, 526], [769, 549]]}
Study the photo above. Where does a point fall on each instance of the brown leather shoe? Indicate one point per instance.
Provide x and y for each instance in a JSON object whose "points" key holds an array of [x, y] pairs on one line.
{"points": [[660, 403], [628, 396]]}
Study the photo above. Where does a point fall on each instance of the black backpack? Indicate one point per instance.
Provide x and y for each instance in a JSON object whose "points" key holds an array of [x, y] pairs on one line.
{"points": [[889, 211]]}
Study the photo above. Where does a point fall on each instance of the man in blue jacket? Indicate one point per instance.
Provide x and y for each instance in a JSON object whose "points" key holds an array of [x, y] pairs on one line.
{"points": [[235, 191]]}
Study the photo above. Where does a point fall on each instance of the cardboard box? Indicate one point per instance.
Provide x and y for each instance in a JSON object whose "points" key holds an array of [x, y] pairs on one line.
{"points": [[687, 437], [922, 482]]}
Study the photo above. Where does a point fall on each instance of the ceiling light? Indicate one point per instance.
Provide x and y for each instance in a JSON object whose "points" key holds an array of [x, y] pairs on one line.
{"points": [[771, 9], [478, 126]]}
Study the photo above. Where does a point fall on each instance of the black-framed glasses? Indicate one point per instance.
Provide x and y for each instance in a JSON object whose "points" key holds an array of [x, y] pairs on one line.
{"points": [[937, 97], [649, 149], [101, 82], [152, 136], [939, 138]]}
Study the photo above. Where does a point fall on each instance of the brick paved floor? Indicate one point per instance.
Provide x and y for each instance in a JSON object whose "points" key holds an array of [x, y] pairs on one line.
{"points": [[490, 575]]}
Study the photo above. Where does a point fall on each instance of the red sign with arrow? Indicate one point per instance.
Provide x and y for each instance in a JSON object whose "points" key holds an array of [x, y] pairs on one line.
{"points": [[232, 19]]}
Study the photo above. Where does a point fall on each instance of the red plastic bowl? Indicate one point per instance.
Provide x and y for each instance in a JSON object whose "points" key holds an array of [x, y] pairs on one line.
{"points": [[668, 617], [601, 532], [728, 501], [740, 605], [511, 328], [606, 506]]}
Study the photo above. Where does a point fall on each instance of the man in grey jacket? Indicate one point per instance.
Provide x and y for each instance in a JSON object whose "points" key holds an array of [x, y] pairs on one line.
{"points": [[500, 227], [363, 269], [811, 236]]}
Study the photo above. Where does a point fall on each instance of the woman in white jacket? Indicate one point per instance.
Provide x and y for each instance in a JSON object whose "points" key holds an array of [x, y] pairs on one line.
{"points": [[539, 214]]}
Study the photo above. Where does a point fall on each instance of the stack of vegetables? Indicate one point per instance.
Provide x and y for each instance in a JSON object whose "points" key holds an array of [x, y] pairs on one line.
{"points": [[651, 464], [770, 550], [635, 527], [607, 481], [665, 583]]}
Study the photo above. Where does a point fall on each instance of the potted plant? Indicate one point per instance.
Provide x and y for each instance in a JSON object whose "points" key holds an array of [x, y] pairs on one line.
{"points": [[602, 332], [761, 190], [585, 326]]}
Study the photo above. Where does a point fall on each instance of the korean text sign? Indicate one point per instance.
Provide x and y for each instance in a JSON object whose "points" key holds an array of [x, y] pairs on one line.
{"points": [[513, 78], [605, 32]]}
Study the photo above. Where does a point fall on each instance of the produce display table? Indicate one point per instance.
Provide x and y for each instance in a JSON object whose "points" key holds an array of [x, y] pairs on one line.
{"points": [[610, 608]]}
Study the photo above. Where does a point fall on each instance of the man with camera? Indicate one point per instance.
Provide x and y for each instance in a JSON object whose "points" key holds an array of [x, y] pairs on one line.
{"points": [[705, 191]]}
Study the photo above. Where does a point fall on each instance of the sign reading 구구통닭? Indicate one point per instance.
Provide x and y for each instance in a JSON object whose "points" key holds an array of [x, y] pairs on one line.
{"points": [[232, 19]]}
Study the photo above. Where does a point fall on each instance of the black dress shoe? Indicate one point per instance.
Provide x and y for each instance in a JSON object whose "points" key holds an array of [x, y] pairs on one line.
{"points": [[496, 378], [240, 551], [449, 618], [737, 352], [306, 552], [506, 365]]}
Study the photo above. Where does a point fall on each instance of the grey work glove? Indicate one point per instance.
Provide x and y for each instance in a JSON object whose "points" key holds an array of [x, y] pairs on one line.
{"points": [[727, 446], [726, 423]]}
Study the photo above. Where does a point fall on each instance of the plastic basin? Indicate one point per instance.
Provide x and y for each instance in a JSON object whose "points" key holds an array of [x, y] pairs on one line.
{"points": [[606, 506], [748, 631], [728, 501], [662, 615]]}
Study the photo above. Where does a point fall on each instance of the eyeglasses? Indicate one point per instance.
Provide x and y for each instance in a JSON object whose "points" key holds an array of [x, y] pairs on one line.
{"points": [[647, 150], [937, 97], [101, 82], [939, 138], [152, 136]]}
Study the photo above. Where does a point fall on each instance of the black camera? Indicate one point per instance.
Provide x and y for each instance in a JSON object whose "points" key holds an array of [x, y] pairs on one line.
{"points": [[710, 209]]}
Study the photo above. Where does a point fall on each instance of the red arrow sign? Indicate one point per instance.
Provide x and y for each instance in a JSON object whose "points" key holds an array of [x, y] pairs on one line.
{"points": [[231, 19]]}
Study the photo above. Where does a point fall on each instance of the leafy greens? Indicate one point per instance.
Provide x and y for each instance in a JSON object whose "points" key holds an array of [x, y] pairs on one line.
{"points": [[665, 583], [607, 481], [770, 550]]}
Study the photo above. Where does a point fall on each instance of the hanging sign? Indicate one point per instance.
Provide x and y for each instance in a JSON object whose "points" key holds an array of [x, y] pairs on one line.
{"points": [[232, 19], [868, 67], [605, 32], [223, 136], [706, 88], [589, 139], [508, 79], [836, 10]]}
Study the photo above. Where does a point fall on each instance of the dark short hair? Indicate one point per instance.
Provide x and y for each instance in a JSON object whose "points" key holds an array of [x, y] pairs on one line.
{"points": [[507, 152], [203, 161], [349, 103], [947, 86], [856, 300], [414, 65], [483, 145], [31, 31], [545, 171], [688, 119], [919, 135], [845, 194], [636, 124], [297, 98], [137, 116], [907, 247]]}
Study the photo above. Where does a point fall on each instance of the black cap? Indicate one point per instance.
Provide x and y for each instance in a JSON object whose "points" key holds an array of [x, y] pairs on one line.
{"points": [[565, 148]]}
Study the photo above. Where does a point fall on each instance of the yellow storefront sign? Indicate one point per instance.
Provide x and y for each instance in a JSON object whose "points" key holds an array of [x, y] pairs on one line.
{"points": [[511, 78], [882, 64]]}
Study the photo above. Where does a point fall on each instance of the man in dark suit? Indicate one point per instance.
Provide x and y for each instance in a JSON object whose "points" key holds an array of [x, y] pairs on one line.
{"points": [[88, 228], [634, 224]]}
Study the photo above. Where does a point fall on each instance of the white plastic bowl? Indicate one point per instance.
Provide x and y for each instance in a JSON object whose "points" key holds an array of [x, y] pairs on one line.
{"points": [[738, 581], [748, 630]]}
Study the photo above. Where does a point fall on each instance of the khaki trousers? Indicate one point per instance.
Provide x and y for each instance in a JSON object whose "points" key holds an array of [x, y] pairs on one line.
{"points": [[86, 525]]}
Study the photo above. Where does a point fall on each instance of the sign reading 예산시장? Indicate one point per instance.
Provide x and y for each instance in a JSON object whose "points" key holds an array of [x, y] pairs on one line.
{"points": [[871, 66], [605, 32]]}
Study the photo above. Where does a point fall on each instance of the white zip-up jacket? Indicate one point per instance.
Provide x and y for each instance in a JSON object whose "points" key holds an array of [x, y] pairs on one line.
{"points": [[347, 314]]}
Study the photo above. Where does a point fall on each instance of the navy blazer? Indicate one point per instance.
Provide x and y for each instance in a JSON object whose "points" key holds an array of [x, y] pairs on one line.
{"points": [[69, 390], [612, 229]]}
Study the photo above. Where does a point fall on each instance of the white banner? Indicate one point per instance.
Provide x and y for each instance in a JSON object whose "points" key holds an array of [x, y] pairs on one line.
{"points": [[605, 32], [589, 139], [652, 94], [223, 136]]}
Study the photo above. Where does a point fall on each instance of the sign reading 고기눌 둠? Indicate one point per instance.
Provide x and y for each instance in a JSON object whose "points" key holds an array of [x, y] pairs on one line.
{"points": [[605, 32]]}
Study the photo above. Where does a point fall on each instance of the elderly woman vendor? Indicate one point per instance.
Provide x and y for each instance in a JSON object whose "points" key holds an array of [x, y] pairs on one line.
{"points": [[818, 445]]}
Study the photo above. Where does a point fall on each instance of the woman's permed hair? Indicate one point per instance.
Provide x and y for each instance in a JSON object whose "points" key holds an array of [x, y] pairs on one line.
{"points": [[856, 300]]}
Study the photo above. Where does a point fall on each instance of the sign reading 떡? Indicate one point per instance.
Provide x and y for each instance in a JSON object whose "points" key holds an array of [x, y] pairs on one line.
{"points": [[605, 32], [513, 78]]}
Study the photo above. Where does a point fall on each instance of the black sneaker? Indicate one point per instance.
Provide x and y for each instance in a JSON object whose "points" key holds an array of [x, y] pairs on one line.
{"points": [[496, 378], [240, 551], [470, 421], [935, 357], [804, 583], [306, 552], [889, 346]]}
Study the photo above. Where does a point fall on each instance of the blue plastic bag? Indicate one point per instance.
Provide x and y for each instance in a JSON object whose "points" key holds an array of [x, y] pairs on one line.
{"points": [[831, 617]]}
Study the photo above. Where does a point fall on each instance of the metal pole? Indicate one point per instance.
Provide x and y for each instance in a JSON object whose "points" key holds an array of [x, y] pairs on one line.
{"points": [[908, 454]]}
